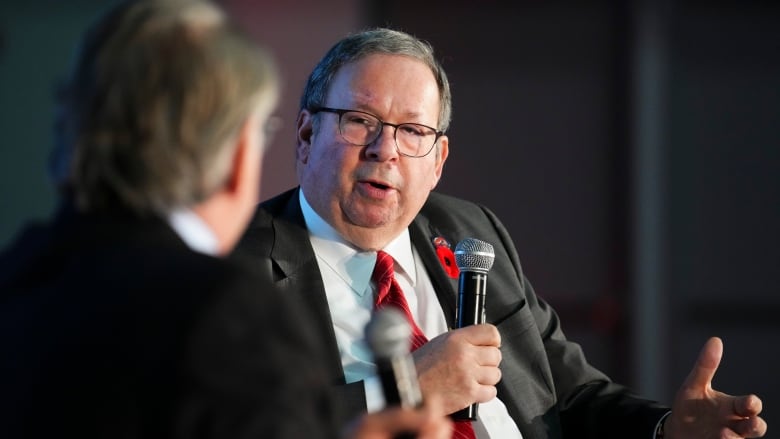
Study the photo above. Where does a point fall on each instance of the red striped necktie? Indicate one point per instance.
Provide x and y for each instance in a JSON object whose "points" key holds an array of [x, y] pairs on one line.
{"points": [[390, 293]]}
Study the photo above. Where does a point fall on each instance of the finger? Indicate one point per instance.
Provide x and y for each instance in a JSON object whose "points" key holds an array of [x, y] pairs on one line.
{"points": [[485, 393], [747, 406], [439, 428], [374, 425], [749, 427], [438, 425], [704, 369], [489, 376], [482, 335], [488, 356], [395, 420]]}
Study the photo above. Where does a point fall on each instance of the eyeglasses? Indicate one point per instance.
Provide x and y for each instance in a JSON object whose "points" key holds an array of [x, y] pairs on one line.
{"points": [[360, 129]]}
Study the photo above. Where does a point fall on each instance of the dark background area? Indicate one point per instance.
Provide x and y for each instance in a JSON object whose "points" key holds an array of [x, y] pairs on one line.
{"points": [[631, 148]]}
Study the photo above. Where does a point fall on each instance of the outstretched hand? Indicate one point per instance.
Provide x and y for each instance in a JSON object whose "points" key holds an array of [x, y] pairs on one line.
{"points": [[699, 411]]}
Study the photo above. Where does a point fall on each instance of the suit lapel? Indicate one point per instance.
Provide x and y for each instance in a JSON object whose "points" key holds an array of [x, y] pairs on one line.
{"points": [[293, 255], [422, 233], [291, 250]]}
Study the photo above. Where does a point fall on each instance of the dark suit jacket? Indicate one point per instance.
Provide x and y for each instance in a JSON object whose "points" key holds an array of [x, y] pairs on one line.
{"points": [[547, 385], [111, 327]]}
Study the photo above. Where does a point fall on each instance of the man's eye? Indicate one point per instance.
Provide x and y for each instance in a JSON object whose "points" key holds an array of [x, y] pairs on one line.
{"points": [[413, 130], [360, 120]]}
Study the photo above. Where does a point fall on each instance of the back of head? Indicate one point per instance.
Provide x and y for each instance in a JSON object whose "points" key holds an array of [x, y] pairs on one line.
{"points": [[158, 90], [370, 42]]}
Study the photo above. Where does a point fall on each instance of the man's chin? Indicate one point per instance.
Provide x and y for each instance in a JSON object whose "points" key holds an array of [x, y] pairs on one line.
{"points": [[372, 219]]}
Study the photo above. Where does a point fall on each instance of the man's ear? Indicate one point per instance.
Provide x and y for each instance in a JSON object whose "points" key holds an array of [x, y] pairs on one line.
{"points": [[242, 155], [304, 131], [442, 151]]}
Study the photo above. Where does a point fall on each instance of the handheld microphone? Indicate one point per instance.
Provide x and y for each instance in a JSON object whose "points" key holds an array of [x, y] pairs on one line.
{"points": [[474, 259], [389, 337]]}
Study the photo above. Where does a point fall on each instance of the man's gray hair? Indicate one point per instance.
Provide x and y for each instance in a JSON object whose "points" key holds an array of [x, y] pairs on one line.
{"points": [[158, 90], [370, 42]]}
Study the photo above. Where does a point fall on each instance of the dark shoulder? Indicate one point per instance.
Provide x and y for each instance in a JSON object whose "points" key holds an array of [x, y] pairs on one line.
{"points": [[260, 234], [239, 295], [449, 211], [274, 206], [439, 202], [253, 347]]}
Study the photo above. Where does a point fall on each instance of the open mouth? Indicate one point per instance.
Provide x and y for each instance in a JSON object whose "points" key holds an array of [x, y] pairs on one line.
{"points": [[378, 185]]}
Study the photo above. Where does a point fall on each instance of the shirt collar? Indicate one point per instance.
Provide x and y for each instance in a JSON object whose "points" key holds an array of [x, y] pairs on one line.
{"points": [[193, 231], [352, 264]]}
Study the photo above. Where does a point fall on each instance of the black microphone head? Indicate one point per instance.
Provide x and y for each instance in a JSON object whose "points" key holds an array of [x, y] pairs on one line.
{"points": [[471, 254], [388, 333]]}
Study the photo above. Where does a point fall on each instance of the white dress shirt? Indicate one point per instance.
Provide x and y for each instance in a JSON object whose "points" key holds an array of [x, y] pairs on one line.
{"points": [[193, 231], [346, 273]]}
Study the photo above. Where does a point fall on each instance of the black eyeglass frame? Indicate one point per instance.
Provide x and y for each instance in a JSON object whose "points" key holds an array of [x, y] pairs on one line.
{"points": [[342, 111]]}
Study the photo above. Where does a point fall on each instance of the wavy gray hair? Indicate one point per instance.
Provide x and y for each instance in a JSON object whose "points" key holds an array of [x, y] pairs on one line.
{"points": [[373, 41]]}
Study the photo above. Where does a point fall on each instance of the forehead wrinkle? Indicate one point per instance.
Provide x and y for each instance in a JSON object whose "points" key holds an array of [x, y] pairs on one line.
{"points": [[359, 94]]}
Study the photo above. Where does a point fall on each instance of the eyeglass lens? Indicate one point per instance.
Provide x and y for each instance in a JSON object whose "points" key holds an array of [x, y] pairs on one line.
{"points": [[362, 128]]}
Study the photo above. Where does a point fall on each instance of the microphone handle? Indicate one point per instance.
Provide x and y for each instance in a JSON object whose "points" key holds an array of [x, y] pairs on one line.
{"points": [[399, 384], [399, 381], [471, 299], [471, 311]]}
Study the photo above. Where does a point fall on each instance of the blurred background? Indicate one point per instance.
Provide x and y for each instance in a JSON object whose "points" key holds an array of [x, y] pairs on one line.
{"points": [[631, 149]]}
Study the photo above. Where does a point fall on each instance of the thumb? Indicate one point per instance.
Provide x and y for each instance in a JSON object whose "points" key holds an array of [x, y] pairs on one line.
{"points": [[704, 369]]}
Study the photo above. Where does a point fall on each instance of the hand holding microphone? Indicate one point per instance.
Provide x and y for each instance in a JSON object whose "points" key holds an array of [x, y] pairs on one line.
{"points": [[459, 366], [404, 417]]}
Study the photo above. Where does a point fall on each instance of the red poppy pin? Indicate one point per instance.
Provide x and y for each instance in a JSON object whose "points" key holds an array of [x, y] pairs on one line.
{"points": [[446, 257]]}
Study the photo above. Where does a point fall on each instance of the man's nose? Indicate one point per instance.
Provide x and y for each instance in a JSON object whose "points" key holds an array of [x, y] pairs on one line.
{"points": [[383, 147]]}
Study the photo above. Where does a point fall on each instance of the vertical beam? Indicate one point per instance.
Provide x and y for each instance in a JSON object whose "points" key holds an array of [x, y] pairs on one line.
{"points": [[648, 107]]}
